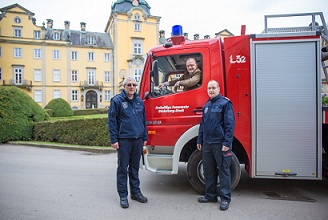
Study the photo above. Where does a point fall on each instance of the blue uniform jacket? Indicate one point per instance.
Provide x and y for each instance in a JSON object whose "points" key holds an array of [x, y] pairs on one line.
{"points": [[127, 118], [217, 124]]}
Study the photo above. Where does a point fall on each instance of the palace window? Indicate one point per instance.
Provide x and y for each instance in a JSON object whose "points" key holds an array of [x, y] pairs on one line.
{"points": [[74, 95], [107, 57], [91, 56], [37, 53], [74, 55], [37, 75], [56, 36], [56, 75], [38, 95], [17, 32], [37, 34], [107, 95], [55, 54], [18, 52], [74, 76], [56, 94], [107, 76]]}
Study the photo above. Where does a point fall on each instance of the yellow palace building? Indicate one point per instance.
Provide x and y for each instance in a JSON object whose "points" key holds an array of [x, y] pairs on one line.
{"points": [[84, 68]]}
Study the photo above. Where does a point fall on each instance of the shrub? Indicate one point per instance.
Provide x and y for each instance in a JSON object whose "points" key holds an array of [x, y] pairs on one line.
{"points": [[18, 113], [60, 108], [89, 132], [91, 111], [325, 100]]}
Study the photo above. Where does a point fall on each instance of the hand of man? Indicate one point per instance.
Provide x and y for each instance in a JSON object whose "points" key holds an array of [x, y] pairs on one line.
{"points": [[162, 85], [115, 146], [224, 148], [199, 146]]}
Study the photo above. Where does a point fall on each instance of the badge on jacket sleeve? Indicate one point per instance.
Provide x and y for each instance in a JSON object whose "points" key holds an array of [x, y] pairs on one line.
{"points": [[206, 109]]}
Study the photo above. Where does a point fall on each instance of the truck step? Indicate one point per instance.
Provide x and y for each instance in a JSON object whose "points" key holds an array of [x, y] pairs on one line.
{"points": [[163, 171]]}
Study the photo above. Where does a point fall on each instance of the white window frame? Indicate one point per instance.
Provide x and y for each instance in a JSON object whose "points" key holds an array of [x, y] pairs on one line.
{"points": [[18, 75], [74, 96], [107, 95], [37, 34], [56, 54], [37, 53], [137, 26], [107, 57], [37, 75], [137, 47], [17, 32], [91, 56], [56, 36], [91, 40], [18, 52], [137, 74], [38, 95], [56, 75], [107, 76], [91, 73], [74, 55], [74, 76], [56, 94], [137, 16]]}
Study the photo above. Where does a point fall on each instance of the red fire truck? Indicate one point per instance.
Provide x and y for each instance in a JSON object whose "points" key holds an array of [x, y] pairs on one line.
{"points": [[274, 80]]}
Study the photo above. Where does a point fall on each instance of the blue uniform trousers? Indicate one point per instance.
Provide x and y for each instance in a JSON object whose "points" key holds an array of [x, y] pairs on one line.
{"points": [[129, 154], [216, 162]]}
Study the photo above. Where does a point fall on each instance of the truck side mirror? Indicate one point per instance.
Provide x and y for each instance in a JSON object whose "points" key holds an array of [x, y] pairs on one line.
{"points": [[154, 73]]}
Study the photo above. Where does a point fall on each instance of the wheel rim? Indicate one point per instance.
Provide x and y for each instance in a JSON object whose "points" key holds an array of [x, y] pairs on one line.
{"points": [[200, 173]]}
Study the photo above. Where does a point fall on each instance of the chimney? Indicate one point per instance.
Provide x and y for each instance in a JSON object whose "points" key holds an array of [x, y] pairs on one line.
{"points": [[161, 34], [185, 36], [67, 24], [196, 36], [207, 36], [83, 25], [49, 23]]}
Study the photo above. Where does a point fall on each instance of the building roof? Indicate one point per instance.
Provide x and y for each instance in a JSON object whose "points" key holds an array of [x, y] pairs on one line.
{"points": [[126, 5], [5, 9]]}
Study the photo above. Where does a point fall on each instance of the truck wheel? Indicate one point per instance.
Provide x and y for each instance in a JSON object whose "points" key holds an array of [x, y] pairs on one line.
{"points": [[196, 174]]}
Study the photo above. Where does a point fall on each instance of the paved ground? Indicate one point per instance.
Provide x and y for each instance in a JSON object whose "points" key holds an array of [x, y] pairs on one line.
{"points": [[41, 183]]}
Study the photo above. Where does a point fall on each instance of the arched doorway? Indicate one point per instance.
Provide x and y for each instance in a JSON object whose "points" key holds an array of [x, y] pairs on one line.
{"points": [[91, 99]]}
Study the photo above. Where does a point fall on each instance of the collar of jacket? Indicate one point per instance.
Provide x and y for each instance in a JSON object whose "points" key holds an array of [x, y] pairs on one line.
{"points": [[125, 96], [215, 98]]}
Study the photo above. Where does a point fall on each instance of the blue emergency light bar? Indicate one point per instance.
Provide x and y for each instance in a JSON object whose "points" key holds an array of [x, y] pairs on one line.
{"points": [[177, 30]]}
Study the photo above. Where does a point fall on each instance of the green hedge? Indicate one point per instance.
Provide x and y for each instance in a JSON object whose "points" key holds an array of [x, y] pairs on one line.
{"points": [[89, 132], [18, 113], [59, 107], [91, 111]]}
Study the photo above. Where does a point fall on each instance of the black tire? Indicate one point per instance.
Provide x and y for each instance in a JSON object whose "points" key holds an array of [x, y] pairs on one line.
{"points": [[196, 176]]}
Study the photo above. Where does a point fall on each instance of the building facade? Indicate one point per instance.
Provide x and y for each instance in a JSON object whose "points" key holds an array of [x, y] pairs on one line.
{"points": [[133, 31], [84, 68]]}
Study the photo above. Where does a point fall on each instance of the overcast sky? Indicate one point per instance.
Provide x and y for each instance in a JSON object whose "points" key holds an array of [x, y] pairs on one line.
{"points": [[196, 16]]}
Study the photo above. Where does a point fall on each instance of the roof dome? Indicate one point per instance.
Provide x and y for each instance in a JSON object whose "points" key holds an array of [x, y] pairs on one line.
{"points": [[126, 5]]}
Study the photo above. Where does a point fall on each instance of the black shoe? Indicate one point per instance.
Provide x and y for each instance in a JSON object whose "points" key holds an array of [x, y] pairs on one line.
{"points": [[124, 202], [139, 197], [204, 200], [224, 205]]}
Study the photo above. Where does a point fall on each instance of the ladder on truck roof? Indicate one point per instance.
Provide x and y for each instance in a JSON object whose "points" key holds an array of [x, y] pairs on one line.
{"points": [[313, 26]]}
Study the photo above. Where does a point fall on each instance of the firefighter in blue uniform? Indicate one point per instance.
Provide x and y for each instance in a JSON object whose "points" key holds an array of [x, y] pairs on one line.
{"points": [[215, 141], [128, 134]]}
